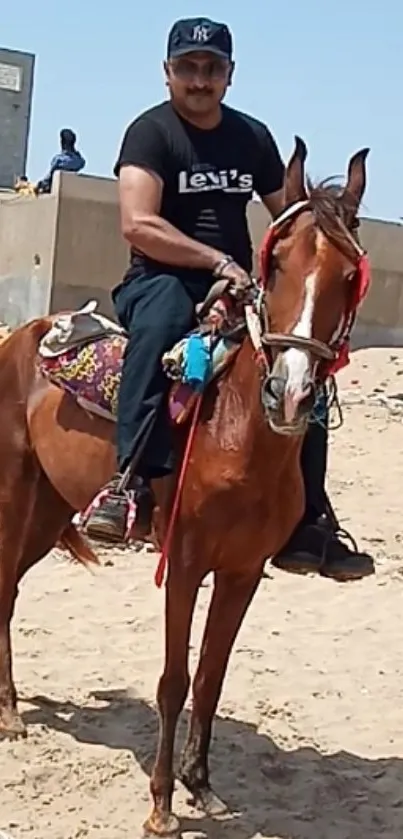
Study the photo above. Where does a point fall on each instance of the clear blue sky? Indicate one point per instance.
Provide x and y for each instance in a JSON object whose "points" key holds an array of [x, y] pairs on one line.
{"points": [[329, 71]]}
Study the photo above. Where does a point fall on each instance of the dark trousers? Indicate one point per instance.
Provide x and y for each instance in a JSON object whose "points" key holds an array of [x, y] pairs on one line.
{"points": [[157, 311], [314, 465]]}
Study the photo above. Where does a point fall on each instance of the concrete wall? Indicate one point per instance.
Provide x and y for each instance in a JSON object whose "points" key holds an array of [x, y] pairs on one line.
{"points": [[27, 247], [380, 321], [68, 247], [90, 256], [16, 83]]}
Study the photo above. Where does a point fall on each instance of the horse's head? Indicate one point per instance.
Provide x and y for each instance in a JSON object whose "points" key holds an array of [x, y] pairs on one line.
{"points": [[311, 264]]}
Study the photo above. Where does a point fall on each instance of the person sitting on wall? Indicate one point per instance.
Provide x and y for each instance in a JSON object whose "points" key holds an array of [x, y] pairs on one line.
{"points": [[69, 159]]}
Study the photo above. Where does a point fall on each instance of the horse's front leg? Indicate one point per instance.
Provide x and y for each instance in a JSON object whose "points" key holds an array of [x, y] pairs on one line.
{"points": [[181, 591], [231, 598]]}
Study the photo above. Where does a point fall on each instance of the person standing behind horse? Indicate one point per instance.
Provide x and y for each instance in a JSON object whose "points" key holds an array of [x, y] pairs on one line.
{"points": [[187, 169]]}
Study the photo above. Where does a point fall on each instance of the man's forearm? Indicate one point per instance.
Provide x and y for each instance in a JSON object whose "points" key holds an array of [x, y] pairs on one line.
{"points": [[156, 238]]}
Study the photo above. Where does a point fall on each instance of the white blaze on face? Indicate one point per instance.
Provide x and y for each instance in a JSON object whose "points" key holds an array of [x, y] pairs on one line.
{"points": [[298, 361]]}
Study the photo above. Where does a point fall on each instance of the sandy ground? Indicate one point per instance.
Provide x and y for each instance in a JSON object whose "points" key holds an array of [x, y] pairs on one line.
{"points": [[309, 738]]}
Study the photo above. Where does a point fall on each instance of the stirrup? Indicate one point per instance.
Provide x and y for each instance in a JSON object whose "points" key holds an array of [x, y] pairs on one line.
{"points": [[124, 497]]}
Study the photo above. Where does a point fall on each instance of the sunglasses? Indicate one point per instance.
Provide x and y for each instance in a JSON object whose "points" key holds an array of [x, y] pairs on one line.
{"points": [[214, 70]]}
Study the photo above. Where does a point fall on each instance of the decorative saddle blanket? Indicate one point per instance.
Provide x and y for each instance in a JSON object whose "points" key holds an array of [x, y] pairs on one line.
{"points": [[83, 354]]}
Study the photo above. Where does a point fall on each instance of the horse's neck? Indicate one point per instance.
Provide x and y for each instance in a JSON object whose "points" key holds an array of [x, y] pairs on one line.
{"points": [[236, 415], [238, 423], [245, 377]]}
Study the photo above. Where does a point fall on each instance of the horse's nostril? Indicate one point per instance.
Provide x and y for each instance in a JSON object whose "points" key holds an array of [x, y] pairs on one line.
{"points": [[275, 386]]}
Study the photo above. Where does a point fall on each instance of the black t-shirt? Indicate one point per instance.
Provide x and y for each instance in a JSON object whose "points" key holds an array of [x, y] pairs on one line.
{"points": [[209, 175]]}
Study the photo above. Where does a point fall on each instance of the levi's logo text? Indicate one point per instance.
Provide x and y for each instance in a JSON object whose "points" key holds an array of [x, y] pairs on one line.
{"points": [[208, 180]]}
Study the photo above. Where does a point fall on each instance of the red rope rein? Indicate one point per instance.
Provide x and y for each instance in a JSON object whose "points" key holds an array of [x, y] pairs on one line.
{"points": [[163, 561]]}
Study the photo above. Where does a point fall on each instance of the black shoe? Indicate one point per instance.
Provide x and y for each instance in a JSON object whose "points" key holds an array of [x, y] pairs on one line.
{"points": [[121, 514], [317, 548]]}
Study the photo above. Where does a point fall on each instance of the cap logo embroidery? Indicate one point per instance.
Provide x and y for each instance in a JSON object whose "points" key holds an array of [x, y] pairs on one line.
{"points": [[201, 33]]}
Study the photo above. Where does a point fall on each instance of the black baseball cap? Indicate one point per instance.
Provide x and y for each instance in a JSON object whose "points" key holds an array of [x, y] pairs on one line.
{"points": [[199, 34]]}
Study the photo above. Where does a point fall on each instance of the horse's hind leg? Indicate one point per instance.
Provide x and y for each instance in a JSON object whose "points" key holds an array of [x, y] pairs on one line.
{"points": [[49, 516], [18, 499], [10, 722], [13, 518], [231, 598], [45, 517]]}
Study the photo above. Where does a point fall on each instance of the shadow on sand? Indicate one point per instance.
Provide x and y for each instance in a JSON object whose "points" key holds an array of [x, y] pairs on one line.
{"points": [[298, 794]]}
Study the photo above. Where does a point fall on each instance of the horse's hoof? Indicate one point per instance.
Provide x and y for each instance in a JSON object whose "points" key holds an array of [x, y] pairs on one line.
{"points": [[11, 725], [209, 803], [162, 826]]}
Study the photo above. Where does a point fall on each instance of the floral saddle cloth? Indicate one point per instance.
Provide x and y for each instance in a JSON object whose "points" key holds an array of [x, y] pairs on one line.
{"points": [[82, 353]]}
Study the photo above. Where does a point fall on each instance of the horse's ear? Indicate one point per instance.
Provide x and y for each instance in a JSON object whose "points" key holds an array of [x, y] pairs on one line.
{"points": [[294, 181], [356, 180]]}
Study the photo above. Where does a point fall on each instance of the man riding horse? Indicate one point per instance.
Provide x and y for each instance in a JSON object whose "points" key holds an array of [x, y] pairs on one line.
{"points": [[187, 169]]}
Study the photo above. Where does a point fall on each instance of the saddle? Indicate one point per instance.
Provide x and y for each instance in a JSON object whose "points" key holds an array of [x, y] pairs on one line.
{"points": [[82, 353]]}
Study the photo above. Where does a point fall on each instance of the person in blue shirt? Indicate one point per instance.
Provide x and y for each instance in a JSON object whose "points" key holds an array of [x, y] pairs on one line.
{"points": [[67, 160]]}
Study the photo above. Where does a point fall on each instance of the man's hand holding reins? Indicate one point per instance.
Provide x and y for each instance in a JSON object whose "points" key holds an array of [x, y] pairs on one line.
{"points": [[239, 280]]}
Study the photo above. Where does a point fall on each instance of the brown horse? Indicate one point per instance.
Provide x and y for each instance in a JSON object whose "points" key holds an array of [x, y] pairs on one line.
{"points": [[243, 491]]}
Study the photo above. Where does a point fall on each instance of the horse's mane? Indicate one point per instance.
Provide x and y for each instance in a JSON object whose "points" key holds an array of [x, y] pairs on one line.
{"points": [[332, 206]]}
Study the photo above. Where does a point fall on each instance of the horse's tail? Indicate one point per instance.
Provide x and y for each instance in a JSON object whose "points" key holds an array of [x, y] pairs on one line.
{"points": [[72, 541]]}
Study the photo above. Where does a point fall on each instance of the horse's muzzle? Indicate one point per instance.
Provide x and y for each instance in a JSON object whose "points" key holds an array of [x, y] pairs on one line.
{"points": [[287, 412]]}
